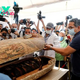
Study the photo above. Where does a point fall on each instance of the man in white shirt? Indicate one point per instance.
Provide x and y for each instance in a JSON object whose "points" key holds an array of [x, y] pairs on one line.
{"points": [[50, 38]]}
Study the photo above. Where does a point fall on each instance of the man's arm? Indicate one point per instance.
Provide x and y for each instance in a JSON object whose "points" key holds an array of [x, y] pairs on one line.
{"points": [[63, 51], [38, 27], [43, 24], [8, 23], [18, 26]]}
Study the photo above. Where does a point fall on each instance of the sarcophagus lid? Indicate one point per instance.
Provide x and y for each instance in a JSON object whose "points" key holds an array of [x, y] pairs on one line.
{"points": [[15, 48]]}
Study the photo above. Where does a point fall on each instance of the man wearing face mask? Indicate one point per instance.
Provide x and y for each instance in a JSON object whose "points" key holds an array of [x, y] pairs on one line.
{"points": [[14, 31], [63, 44], [73, 48], [28, 33], [50, 38]]}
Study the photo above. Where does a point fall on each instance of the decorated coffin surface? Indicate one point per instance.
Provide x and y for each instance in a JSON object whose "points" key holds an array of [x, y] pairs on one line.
{"points": [[28, 68], [24, 69], [14, 48]]}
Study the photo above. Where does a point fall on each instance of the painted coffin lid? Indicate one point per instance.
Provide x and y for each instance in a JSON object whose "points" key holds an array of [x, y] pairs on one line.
{"points": [[14, 48]]}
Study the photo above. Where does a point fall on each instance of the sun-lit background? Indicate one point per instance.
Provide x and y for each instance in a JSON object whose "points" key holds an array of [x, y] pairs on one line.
{"points": [[54, 10]]}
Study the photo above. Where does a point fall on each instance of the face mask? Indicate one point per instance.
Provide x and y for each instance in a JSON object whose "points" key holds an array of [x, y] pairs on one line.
{"points": [[7, 28], [22, 29], [48, 31], [15, 29], [42, 29], [71, 32], [28, 36], [61, 38]]}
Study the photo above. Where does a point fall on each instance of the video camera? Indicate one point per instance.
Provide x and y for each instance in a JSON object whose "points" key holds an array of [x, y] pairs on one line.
{"points": [[16, 8], [24, 21], [1, 18], [69, 17], [59, 23], [40, 16]]}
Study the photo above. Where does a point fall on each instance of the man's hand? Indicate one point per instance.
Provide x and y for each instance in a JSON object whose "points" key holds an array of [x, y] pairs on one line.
{"points": [[48, 47], [6, 20], [16, 33], [21, 21]]}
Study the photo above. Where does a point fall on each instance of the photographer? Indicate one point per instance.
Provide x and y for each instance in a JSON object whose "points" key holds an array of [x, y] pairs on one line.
{"points": [[4, 34], [14, 31]]}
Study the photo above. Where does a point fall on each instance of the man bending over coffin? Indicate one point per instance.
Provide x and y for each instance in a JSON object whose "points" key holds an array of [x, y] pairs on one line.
{"points": [[73, 48]]}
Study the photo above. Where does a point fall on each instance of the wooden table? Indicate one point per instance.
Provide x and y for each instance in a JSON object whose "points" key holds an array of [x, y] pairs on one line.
{"points": [[56, 74]]}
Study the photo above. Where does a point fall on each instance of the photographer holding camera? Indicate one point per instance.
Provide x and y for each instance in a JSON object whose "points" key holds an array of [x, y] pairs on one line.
{"points": [[49, 36], [14, 31], [4, 34]]}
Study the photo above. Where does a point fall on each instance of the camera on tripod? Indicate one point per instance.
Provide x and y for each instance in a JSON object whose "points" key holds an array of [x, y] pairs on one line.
{"points": [[40, 16]]}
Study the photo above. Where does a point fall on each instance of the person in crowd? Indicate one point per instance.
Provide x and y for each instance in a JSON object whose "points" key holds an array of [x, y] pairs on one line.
{"points": [[3, 34], [14, 31], [50, 38], [73, 48], [57, 32], [7, 27], [59, 58], [1, 26], [28, 33], [34, 31]]}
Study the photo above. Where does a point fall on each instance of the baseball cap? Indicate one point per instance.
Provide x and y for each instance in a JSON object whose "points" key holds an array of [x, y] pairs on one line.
{"points": [[50, 25]]}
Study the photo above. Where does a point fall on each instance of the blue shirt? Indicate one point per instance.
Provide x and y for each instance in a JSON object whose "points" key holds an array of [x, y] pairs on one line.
{"points": [[4, 77], [75, 57]]}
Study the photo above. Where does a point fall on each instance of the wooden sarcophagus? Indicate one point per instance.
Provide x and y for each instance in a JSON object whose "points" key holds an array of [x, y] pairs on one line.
{"points": [[27, 68]]}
